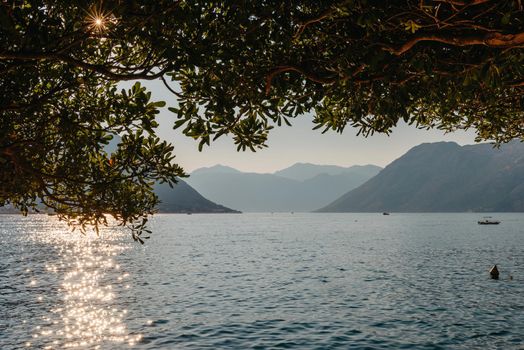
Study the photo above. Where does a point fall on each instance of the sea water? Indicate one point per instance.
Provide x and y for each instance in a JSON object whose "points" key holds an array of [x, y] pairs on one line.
{"points": [[265, 281]]}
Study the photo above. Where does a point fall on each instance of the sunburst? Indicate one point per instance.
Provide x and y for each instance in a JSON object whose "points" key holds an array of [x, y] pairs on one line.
{"points": [[98, 20]]}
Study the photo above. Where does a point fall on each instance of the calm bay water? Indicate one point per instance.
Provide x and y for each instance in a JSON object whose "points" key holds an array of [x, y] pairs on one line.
{"points": [[305, 281]]}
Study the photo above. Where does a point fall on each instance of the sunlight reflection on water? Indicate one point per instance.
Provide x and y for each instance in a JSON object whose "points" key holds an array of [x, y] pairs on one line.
{"points": [[85, 315]]}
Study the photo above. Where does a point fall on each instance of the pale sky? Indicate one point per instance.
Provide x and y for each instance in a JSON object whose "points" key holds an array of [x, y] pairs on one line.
{"points": [[299, 143]]}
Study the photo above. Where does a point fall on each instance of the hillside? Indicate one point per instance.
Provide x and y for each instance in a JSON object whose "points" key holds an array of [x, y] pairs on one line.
{"points": [[182, 198], [443, 177]]}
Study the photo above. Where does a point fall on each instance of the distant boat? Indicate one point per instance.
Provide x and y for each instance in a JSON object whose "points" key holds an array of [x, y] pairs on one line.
{"points": [[488, 222], [385, 213]]}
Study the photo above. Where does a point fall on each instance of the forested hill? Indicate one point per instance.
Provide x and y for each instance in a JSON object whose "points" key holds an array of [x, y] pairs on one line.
{"points": [[443, 177], [182, 198]]}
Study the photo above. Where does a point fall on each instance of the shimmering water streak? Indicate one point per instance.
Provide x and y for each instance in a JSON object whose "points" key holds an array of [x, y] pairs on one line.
{"points": [[83, 313]]}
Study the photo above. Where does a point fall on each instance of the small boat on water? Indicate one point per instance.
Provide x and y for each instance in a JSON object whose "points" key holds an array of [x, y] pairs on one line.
{"points": [[488, 222], [385, 213]]}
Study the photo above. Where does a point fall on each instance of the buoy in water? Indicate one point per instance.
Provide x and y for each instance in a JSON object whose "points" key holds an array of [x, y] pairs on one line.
{"points": [[494, 272]]}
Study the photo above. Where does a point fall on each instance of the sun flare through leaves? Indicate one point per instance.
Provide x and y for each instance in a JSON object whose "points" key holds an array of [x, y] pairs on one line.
{"points": [[98, 20]]}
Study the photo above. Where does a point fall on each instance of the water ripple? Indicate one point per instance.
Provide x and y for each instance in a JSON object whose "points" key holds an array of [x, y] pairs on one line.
{"points": [[303, 281]]}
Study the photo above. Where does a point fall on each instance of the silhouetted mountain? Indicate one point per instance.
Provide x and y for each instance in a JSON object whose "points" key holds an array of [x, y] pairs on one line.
{"points": [[443, 177], [269, 192], [304, 171], [182, 198], [216, 169]]}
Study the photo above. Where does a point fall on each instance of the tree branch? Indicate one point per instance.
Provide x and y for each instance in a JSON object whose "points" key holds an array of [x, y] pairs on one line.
{"points": [[495, 40], [98, 68], [318, 79], [307, 23], [37, 101], [518, 83], [326, 14], [310, 76], [463, 3], [170, 88]]}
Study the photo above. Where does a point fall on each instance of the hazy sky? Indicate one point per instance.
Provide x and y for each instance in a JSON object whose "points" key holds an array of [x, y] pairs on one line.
{"points": [[289, 145]]}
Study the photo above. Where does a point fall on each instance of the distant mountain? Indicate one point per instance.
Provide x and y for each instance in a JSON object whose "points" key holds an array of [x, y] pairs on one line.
{"points": [[182, 198], [444, 177], [217, 169], [304, 171], [269, 192]]}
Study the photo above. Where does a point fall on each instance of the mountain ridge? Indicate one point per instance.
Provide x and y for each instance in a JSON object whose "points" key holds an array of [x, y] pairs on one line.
{"points": [[272, 192], [446, 177], [305, 171]]}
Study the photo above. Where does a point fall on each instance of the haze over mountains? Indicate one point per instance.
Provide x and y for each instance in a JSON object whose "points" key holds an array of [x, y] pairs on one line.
{"points": [[301, 187], [443, 177]]}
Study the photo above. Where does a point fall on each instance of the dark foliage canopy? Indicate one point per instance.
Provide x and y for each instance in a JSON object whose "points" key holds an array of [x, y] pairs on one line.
{"points": [[237, 68]]}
